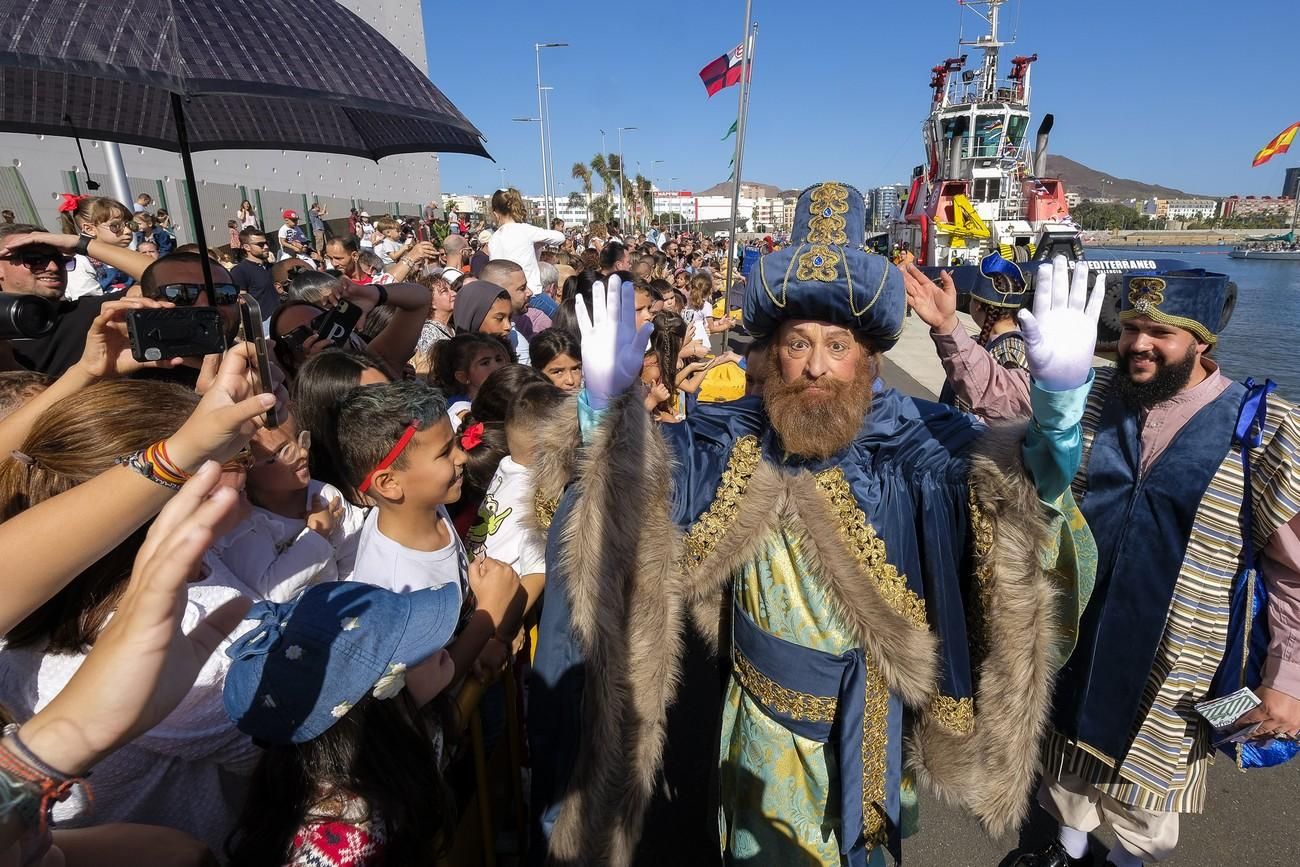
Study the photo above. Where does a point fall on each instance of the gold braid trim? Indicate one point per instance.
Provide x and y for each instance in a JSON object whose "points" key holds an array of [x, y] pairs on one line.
{"points": [[794, 704], [868, 548], [875, 745], [1155, 314], [717, 519], [544, 508], [979, 600], [957, 715]]}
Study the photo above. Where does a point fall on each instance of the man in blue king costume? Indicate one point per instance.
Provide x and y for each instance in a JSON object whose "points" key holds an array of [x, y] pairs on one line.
{"points": [[866, 564]]}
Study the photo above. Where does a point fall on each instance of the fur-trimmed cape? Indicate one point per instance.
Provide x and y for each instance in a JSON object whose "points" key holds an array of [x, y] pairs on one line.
{"points": [[630, 598]]}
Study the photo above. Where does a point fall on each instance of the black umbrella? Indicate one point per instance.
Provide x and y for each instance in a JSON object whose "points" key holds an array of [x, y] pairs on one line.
{"points": [[222, 74]]}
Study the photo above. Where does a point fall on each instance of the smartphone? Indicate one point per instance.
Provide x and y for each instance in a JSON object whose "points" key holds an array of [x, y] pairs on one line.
{"points": [[175, 332], [337, 324], [250, 331]]}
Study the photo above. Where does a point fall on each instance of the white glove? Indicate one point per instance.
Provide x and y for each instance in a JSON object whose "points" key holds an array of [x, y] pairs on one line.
{"points": [[1061, 333], [613, 349]]}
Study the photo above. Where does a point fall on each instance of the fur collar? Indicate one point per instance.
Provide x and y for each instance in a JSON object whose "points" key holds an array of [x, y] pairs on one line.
{"points": [[990, 771]]}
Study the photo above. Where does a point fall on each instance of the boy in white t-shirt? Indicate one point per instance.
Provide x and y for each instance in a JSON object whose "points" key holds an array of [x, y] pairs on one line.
{"points": [[397, 447]]}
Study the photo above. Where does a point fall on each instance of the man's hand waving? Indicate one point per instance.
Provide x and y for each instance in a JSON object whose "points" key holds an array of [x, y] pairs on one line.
{"points": [[1061, 332], [613, 348]]}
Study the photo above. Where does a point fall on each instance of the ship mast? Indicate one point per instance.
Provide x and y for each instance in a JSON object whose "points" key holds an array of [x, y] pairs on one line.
{"points": [[989, 44]]}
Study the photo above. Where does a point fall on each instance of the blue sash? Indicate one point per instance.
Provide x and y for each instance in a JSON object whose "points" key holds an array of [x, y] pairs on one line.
{"points": [[1248, 632], [820, 697]]}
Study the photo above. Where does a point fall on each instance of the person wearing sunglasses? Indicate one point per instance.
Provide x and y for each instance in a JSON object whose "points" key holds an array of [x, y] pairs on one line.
{"points": [[34, 270], [254, 274], [36, 262]]}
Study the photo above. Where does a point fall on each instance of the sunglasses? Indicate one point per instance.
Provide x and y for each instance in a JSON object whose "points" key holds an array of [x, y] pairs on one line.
{"points": [[39, 261], [185, 294]]}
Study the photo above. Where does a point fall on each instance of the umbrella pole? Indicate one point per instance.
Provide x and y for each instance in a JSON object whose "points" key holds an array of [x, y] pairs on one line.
{"points": [[191, 186]]}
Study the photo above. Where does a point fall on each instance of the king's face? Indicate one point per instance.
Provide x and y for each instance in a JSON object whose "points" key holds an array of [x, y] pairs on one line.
{"points": [[809, 351]]}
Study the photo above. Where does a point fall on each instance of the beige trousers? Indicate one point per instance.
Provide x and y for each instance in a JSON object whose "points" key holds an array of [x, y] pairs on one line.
{"points": [[1078, 804]]}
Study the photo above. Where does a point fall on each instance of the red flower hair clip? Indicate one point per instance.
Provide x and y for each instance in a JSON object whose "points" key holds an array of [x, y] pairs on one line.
{"points": [[471, 436], [69, 203]]}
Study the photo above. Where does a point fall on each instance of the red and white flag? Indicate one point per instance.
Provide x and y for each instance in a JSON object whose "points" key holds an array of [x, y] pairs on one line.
{"points": [[723, 72]]}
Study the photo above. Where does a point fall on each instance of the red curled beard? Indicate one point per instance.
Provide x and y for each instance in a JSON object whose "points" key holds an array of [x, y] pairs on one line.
{"points": [[818, 425]]}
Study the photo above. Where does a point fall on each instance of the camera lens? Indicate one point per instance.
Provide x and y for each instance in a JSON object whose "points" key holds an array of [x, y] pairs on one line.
{"points": [[25, 316]]}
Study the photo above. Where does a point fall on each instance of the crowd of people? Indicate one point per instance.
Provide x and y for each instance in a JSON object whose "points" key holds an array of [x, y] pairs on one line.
{"points": [[609, 498]]}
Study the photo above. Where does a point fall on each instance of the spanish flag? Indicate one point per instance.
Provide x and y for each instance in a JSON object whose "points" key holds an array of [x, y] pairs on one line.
{"points": [[1279, 145]]}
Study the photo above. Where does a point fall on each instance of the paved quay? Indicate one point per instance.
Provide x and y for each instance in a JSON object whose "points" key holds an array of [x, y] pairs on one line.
{"points": [[1252, 819]]}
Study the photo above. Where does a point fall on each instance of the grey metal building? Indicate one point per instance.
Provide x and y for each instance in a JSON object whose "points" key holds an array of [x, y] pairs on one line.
{"points": [[1291, 183], [35, 169]]}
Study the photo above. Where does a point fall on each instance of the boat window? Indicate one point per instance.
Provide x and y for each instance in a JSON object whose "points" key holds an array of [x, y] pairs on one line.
{"points": [[987, 189], [988, 135], [1016, 129]]}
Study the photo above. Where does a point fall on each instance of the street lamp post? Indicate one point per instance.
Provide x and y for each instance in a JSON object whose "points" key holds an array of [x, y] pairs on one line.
{"points": [[550, 150], [541, 122], [622, 205], [538, 121], [654, 182]]}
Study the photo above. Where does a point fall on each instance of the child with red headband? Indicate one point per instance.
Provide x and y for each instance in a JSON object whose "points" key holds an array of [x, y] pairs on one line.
{"points": [[398, 448]]}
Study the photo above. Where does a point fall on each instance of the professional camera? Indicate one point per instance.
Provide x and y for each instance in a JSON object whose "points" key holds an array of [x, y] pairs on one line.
{"points": [[25, 316]]}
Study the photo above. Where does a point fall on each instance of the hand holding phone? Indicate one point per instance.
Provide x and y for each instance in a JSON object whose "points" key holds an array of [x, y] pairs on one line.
{"points": [[157, 334], [336, 325], [250, 331]]}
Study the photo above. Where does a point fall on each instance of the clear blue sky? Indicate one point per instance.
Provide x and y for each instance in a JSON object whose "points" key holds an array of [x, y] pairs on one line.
{"points": [[1175, 93]]}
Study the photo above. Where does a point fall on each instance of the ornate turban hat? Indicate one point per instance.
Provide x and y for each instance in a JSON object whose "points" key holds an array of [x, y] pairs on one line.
{"points": [[1194, 299], [824, 275]]}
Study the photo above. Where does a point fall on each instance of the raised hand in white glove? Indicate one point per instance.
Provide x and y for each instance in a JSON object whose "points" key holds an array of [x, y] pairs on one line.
{"points": [[1061, 332], [613, 348]]}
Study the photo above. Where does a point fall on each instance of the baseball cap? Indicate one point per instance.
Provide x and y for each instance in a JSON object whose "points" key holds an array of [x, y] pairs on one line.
{"points": [[309, 661], [451, 275], [485, 236], [289, 214]]}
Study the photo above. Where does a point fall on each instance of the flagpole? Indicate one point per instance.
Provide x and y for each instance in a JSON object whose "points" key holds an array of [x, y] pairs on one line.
{"points": [[742, 111]]}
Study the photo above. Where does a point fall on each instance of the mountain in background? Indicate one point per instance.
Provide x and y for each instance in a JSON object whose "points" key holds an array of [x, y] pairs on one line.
{"points": [[770, 191], [1087, 182], [1092, 184]]}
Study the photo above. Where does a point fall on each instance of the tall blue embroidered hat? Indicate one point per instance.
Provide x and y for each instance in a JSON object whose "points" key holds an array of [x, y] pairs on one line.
{"points": [[1193, 299], [1006, 283], [824, 275]]}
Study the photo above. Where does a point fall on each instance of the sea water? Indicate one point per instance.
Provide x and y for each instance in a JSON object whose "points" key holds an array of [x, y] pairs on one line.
{"points": [[1262, 338]]}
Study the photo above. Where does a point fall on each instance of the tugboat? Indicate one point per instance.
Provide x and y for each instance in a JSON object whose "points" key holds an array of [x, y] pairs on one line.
{"points": [[983, 189]]}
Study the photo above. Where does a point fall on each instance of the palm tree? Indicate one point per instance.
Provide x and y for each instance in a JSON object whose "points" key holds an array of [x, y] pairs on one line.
{"points": [[645, 196], [606, 167], [580, 172], [605, 171]]}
